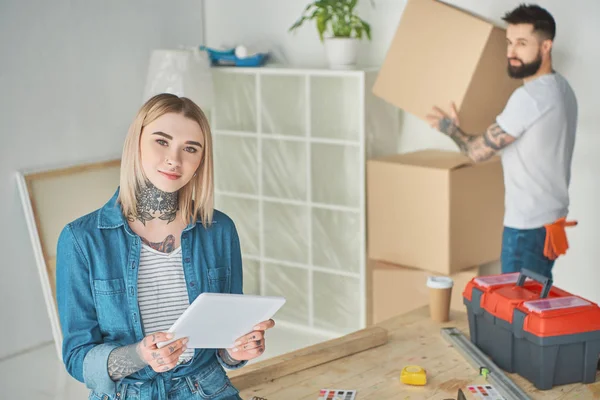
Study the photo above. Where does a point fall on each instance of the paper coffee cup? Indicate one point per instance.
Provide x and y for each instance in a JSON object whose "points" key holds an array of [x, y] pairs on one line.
{"points": [[440, 294]]}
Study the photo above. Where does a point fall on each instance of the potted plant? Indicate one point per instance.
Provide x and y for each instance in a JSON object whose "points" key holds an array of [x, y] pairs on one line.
{"points": [[339, 28]]}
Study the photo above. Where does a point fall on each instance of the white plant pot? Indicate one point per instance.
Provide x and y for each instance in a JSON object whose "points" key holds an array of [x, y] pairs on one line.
{"points": [[341, 52]]}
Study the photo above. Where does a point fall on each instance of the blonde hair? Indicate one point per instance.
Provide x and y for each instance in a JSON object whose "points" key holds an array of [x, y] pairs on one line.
{"points": [[197, 196]]}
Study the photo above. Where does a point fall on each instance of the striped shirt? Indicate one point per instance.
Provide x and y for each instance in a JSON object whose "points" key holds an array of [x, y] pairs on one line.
{"points": [[162, 291]]}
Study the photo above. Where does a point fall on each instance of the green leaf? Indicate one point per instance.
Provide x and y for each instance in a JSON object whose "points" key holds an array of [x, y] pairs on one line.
{"points": [[323, 4], [359, 32], [297, 24], [322, 19], [338, 15], [367, 29]]}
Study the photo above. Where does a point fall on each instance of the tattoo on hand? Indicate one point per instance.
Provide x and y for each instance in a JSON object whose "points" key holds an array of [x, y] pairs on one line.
{"points": [[462, 140], [124, 361], [447, 126]]}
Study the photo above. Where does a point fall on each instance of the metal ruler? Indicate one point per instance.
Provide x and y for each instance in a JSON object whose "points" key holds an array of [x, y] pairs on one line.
{"points": [[507, 388]]}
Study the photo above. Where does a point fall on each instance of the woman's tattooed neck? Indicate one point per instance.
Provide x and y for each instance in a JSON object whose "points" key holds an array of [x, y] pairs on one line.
{"points": [[154, 203]]}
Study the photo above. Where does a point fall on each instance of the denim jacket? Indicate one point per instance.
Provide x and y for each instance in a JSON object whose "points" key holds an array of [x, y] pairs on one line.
{"points": [[96, 287]]}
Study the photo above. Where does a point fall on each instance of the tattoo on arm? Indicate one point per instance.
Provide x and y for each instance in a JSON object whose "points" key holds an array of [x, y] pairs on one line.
{"points": [[496, 139], [477, 147], [124, 361], [462, 140], [487, 145]]}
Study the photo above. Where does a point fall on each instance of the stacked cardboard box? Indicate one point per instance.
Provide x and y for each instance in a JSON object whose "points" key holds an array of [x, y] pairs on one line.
{"points": [[394, 290], [429, 213], [434, 212]]}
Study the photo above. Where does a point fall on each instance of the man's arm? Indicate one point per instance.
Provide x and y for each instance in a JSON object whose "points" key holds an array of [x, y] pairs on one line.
{"points": [[477, 147]]}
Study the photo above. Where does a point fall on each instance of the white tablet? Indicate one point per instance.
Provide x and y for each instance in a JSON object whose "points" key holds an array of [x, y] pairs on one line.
{"points": [[217, 320]]}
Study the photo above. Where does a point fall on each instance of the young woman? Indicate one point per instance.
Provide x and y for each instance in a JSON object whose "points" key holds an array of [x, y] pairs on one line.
{"points": [[128, 270]]}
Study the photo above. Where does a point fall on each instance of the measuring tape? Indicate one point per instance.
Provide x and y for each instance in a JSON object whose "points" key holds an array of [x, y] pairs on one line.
{"points": [[413, 375]]}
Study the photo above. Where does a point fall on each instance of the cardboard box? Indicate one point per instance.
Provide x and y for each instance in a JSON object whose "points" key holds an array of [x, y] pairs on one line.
{"points": [[394, 290], [440, 55], [434, 210]]}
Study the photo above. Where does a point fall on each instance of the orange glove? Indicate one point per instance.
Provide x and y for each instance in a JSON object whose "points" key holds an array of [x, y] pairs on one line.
{"points": [[556, 242]]}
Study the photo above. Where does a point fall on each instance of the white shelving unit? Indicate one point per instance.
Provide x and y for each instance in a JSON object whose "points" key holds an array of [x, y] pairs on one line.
{"points": [[290, 150]]}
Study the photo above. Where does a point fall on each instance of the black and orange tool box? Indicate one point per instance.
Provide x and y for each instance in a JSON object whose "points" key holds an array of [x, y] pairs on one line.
{"points": [[542, 333]]}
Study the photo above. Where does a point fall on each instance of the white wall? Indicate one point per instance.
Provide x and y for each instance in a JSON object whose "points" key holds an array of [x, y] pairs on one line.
{"points": [[576, 55], [72, 77]]}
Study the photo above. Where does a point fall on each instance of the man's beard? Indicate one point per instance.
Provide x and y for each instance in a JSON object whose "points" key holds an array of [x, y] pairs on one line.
{"points": [[524, 70]]}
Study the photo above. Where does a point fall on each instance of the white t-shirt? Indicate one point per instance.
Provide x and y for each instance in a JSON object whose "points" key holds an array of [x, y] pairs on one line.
{"points": [[162, 291], [542, 115]]}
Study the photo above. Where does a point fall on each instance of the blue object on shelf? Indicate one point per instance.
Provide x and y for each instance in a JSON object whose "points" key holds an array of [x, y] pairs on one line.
{"points": [[228, 58]]}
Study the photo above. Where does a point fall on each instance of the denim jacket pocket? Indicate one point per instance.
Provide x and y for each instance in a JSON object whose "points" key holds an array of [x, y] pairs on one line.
{"points": [[213, 384], [218, 280], [111, 301]]}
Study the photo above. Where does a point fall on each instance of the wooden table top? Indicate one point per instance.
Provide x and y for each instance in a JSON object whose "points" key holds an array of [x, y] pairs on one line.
{"points": [[412, 338]]}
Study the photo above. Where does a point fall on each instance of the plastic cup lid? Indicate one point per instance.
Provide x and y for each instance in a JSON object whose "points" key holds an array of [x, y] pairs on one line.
{"points": [[439, 282]]}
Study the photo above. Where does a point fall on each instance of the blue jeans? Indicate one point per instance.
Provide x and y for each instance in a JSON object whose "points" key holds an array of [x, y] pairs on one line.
{"points": [[524, 248]]}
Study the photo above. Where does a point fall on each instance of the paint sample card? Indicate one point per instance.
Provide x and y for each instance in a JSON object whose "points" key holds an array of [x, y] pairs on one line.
{"points": [[486, 392], [337, 394]]}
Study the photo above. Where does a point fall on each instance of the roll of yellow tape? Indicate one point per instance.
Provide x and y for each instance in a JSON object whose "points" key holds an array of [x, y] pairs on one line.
{"points": [[413, 375]]}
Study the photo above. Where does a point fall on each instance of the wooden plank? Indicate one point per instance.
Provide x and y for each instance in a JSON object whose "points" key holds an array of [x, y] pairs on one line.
{"points": [[309, 357]]}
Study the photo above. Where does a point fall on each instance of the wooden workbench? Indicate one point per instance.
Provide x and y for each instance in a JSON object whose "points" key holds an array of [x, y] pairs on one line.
{"points": [[411, 339]]}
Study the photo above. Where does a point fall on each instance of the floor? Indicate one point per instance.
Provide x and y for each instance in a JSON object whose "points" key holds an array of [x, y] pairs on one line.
{"points": [[39, 375]]}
